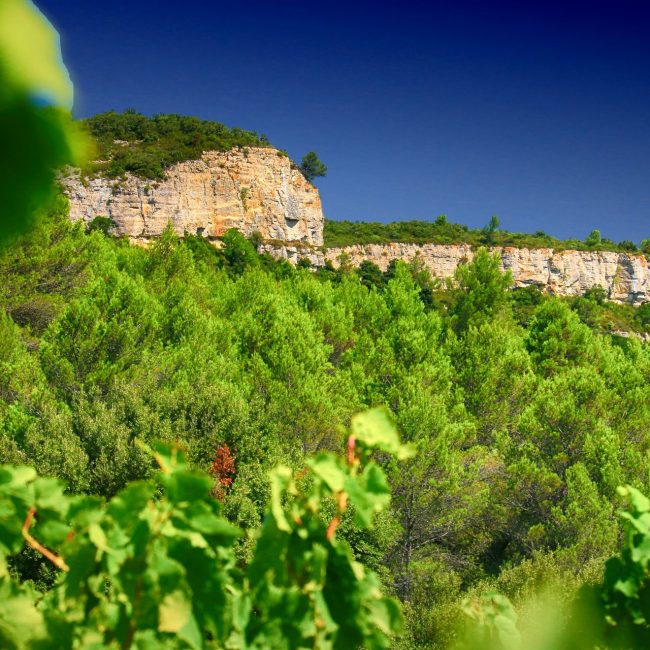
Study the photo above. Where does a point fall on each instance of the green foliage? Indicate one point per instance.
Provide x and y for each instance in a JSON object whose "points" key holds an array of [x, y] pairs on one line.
{"points": [[312, 167], [36, 130], [491, 228], [370, 274], [238, 252], [593, 239], [494, 623], [481, 290], [596, 294], [146, 146], [155, 565], [101, 224], [595, 310], [346, 233], [30, 54], [628, 245], [524, 300], [523, 426], [643, 314], [442, 231], [612, 612], [556, 338], [626, 587]]}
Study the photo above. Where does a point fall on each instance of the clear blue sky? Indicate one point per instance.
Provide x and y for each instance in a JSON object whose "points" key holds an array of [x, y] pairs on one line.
{"points": [[538, 112]]}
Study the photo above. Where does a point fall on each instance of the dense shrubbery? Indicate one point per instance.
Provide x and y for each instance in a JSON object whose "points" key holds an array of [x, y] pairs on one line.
{"points": [[522, 421], [525, 419], [442, 231], [144, 146], [155, 566]]}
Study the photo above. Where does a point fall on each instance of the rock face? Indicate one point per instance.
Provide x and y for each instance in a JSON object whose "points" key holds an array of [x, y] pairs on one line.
{"points": [[624, 276], [253, 189], [258, 190]]}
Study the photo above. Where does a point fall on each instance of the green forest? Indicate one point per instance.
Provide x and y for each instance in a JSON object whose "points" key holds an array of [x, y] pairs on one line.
{"points": [[525, 420], [206, 448]]}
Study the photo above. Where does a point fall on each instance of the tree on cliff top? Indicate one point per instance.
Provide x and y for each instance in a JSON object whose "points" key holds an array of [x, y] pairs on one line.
{"points": [[490, 229], [312, 167], [593, 238]]}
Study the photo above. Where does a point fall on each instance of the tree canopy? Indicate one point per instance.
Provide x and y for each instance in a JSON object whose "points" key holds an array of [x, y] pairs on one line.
{"points": [[524, 417], [312, 167], [146, 146], [340, 233]]}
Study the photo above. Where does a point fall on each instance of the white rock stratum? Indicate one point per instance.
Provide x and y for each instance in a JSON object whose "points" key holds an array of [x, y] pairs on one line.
{"points": [[624, 276], [257, 189]]}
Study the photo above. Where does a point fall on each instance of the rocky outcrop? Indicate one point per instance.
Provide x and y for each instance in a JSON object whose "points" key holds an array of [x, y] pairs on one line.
{"points": [[258, 189], [624, 276], [254, 189]]}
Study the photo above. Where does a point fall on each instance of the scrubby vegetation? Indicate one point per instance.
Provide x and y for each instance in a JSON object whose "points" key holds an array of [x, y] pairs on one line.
{"points": [[193, 404], [441, 231], [146, 146], [524, 417]]}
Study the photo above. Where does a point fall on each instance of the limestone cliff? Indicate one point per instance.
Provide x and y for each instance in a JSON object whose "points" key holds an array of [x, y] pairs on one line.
{"points": [[254, 189], [257, 189], [624, 276]]}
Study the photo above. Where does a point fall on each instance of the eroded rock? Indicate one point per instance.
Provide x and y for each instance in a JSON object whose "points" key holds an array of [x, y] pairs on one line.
{"points": [[253, 189], [624, 276]]}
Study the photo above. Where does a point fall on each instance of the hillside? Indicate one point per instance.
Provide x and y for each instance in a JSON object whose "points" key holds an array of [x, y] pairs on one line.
{"points": [[339, 234], [130, 144], [257, 190], [217, 433], [146, 147], [525, 416]]}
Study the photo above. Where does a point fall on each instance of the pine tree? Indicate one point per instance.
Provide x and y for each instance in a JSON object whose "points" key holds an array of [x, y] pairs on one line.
{"points": [[312, 167]]}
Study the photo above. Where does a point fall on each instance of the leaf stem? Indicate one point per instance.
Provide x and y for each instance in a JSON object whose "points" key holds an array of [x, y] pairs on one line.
{"points": [[57, 561]]}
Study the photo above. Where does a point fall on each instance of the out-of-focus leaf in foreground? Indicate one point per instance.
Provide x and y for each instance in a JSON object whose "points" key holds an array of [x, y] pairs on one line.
{"points": [[36, 131], [31, 54]]}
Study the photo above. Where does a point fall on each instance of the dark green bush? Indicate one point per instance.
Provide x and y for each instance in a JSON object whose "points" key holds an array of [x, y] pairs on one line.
{"points": [[146, 146], [101, 224]]}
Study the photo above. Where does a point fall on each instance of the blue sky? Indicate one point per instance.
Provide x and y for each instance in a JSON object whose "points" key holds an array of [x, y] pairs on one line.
{"points": [[538, 112]]}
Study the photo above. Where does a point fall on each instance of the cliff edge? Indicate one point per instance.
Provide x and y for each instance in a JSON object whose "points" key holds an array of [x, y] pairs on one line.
{"points": [[251, 189], [257, 189], [624, 276]]}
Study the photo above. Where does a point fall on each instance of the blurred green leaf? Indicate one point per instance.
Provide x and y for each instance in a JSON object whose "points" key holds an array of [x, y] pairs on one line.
{"points": [[369, 494], [374, 428], [37, 132], [31, 54], [330, 469]]}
